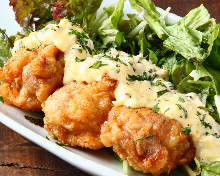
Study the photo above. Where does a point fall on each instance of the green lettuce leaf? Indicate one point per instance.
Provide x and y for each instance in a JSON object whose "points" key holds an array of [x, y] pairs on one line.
{"points": [[83, 11], [5, 48], [214, 57], [152, 16], [32, 13], [109, 30], [192, 37], [97, 23], [212, 169]]}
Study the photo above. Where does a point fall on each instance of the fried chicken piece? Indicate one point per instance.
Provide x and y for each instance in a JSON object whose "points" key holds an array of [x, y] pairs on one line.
{"points": [[152, 143], [29, 77], [75, 112]]}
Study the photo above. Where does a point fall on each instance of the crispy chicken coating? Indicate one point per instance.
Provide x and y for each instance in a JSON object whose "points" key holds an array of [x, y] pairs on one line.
{"points": [[151, 143], [75, 112], [30, 76]]}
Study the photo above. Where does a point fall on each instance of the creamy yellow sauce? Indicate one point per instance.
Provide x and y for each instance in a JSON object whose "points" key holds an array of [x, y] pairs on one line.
{"points": [[133, 94]]}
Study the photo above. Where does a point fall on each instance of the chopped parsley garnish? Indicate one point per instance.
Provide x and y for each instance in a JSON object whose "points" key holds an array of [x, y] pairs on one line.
{"points": [[47, 138], [131, 64], [166, 110], [143, 77], [198, 113], [181, 100], [78, 49], [73, 21], [79, 60], [1, 99], [148, 137], [36, 121], [54, 137], [183, 109], [97, 65], [61, 144], [160, 93], [31, 49], [118, 71], [204, 123], [155, 108], [216, 135], [206, 133], [186, 130], [20, 45], [115, 59], [204, 108], [159, 83], [81, 37]]}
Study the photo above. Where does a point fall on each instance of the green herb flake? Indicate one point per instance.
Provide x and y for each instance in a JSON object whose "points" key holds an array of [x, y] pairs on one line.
{"points": [[160, 93], [1, 99], [183, 109], [216, 135], [143, 77], [118, 71], [186, 130], [82, 39], [204, 123], [131, 64], [54, 137], [166, 110], [155, 108], [79, 60], [148, 137], [30, 49], [78, 49], [61, 144], [115, 59], [97, 65], [198, 113], [181, 100], [20, 45], [206, 133], [159, 83], [36, 121], [47, 138]]}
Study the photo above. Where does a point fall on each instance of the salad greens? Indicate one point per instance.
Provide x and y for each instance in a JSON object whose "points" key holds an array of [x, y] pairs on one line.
{"points": [[203, 169], [189, 50], [34, 14], [5, 47], [211, 169]]}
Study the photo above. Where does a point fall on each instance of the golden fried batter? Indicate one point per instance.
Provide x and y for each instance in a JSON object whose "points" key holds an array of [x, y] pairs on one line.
{"points": [[29, 77], [75, 112], [149, 141]]}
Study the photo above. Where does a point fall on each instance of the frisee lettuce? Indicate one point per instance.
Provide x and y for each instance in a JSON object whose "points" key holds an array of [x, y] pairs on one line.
{"points": [[5, 47], [108, 30], [192, 37]]}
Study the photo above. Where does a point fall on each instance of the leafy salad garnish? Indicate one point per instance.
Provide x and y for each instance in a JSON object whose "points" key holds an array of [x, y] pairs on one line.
{"points": [[189, 50]]}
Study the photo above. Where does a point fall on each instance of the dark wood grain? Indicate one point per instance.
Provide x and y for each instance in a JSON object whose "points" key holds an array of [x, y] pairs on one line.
{"points": [[20, 157]]}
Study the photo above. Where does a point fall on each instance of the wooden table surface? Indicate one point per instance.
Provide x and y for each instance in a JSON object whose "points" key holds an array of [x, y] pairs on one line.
{"points": [[20, 157]]}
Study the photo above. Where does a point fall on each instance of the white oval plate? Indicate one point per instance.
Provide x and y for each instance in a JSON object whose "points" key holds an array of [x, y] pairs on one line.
{"points": [[95, 162]]}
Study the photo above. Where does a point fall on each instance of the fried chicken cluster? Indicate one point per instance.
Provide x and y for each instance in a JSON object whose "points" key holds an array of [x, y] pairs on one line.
{"points": [[151, 143], [75, 113], [30, 76], [82, 114]]}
